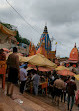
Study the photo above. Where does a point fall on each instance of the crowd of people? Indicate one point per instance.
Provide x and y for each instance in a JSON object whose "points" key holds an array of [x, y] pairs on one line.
{"points": [[59, 87], [63, 89]]}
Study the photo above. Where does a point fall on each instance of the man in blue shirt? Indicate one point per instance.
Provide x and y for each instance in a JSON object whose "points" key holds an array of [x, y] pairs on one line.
{"points": [[23, 78]]}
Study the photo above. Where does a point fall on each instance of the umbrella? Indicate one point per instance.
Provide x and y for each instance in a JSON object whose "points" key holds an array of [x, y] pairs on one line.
{"points": [[40, 60], [40, 68], [73, 69], [61, 68], [20, 54], [66, 72], [76, 76], [43, 69], [6, 50]]}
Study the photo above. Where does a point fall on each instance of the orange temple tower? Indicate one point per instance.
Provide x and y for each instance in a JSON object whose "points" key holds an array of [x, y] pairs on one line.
{"points": [[32, 49], [73, 58], [42, 50]]}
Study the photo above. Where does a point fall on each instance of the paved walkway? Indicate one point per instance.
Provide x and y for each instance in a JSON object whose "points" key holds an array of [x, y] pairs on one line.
{"points": [[30, 102], [7, 104]]}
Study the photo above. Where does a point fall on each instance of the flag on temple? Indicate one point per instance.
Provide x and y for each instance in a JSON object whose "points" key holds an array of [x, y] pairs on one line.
{"points": [[56, 43]]}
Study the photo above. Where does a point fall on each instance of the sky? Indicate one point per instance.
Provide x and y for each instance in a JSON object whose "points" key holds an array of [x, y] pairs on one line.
{"points": [[61, 17]]}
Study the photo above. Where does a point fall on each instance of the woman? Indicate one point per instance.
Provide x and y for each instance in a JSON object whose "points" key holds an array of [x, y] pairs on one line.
{"points": [[2, 59], [3, 65]]}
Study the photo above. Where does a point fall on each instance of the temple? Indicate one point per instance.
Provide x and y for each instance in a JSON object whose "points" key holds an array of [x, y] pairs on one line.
{"points": [[44, 46], [42, 50], [45, 39], [73, 58]]}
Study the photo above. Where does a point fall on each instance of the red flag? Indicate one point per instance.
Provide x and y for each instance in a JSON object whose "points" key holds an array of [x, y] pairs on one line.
{"points": [[42, 38]]}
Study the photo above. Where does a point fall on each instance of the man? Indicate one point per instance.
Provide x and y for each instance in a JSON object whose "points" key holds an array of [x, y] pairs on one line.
{"points": [[58, 87], [35, 79], [23, 78], [71, 88], [2, 55], [13, 71]]}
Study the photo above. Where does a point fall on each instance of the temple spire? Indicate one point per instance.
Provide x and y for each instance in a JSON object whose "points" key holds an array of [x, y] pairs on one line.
{"points": [[75, 45], [45, 28], [45, 23]]}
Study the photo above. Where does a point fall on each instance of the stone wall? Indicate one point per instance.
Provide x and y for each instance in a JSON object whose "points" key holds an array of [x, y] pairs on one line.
{"points": [[5, 45]]}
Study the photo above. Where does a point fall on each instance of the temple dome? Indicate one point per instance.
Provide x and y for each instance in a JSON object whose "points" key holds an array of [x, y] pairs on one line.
{"points": [[74, 54]]}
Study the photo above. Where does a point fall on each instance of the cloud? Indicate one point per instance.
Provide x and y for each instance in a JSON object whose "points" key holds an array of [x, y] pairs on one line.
{"points": [[62, 17], [57, 12]]}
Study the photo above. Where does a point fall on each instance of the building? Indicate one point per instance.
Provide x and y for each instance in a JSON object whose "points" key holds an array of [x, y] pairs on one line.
{"points": [[45, 40], [43, 47], [7, 39], [73, 58], [23, 48], [42, 50]]}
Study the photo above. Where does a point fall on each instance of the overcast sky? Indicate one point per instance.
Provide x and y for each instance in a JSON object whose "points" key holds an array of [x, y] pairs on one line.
{"points": [[61, 16]]}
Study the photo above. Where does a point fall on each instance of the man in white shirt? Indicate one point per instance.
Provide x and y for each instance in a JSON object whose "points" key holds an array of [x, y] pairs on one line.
{"points": [[23, 78], [35, 79]]}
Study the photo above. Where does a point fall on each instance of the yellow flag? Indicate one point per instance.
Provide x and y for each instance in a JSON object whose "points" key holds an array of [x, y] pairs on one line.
{"points": [[55, 43]]}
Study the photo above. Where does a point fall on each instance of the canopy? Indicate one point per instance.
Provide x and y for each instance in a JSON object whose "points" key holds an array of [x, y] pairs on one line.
{"points": [[76, 76], [43, 69], [61, 68], [7, 31], [5, 49], [39, 60], [66, 72], [40, 68]]}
